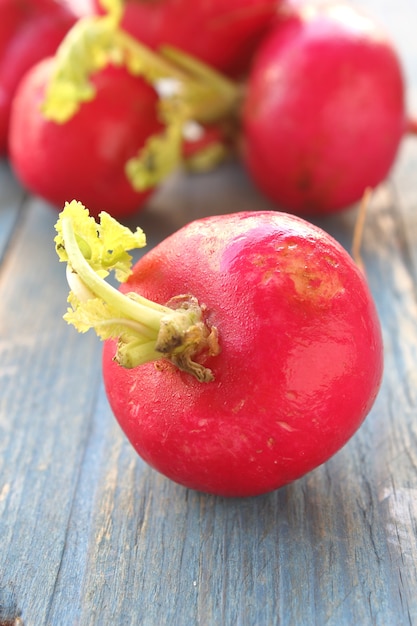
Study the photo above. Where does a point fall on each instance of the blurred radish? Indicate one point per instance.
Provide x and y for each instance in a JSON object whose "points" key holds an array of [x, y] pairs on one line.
{"points": [[84, 157], [206, 146], [324, 112], [105, 118], [222, 33], [30, 30]]}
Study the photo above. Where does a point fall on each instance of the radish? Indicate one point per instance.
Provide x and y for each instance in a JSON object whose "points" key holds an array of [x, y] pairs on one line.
{"points": [[324, 114], [240, 353], [30, 30], [85, 157], [205, 146], [104, 125], [222, 33]]}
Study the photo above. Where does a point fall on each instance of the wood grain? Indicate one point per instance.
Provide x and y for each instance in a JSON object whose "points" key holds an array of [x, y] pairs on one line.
{"points": [[91, 536]]}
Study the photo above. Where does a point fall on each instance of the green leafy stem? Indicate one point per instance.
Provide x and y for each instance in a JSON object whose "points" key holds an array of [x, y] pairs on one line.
{"points": [[145, 330]]}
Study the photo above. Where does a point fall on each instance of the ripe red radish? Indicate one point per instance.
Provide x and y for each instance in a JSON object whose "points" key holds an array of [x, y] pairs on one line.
{"points": [[106, 117], [222, 33], [205, 146], [30, 30], [324, 113], [86, 156], [242, 352]]}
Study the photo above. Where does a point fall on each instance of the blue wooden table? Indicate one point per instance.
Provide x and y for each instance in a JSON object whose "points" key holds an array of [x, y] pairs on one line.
{"points": [[89, 535]]}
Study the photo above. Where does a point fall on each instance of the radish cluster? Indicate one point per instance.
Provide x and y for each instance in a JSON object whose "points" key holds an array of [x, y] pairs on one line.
{"points": [[308, 96], [244, 350]]}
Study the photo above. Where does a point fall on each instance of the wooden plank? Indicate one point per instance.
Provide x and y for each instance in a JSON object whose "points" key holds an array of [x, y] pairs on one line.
{"points": [[11, 198], [48, 378]]}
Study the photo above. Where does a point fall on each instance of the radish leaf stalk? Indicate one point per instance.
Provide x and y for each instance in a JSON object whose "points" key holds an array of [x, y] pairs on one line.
{"points": [[146, 331]]}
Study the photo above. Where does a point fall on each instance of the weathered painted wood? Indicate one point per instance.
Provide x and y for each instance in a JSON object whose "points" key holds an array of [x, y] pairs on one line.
{"points": [[89, 535], [47, 386], [11, 199]]}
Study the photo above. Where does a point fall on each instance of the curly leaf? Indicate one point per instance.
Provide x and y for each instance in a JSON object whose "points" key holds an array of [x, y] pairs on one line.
{"points": [[103, 245]]}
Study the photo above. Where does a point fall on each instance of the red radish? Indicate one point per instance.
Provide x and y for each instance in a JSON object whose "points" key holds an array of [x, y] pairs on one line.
{"points": [[106, 118], [242, 352], [30, 31], [205, 146], [324, 113], [86, 156], [222, 33]]}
